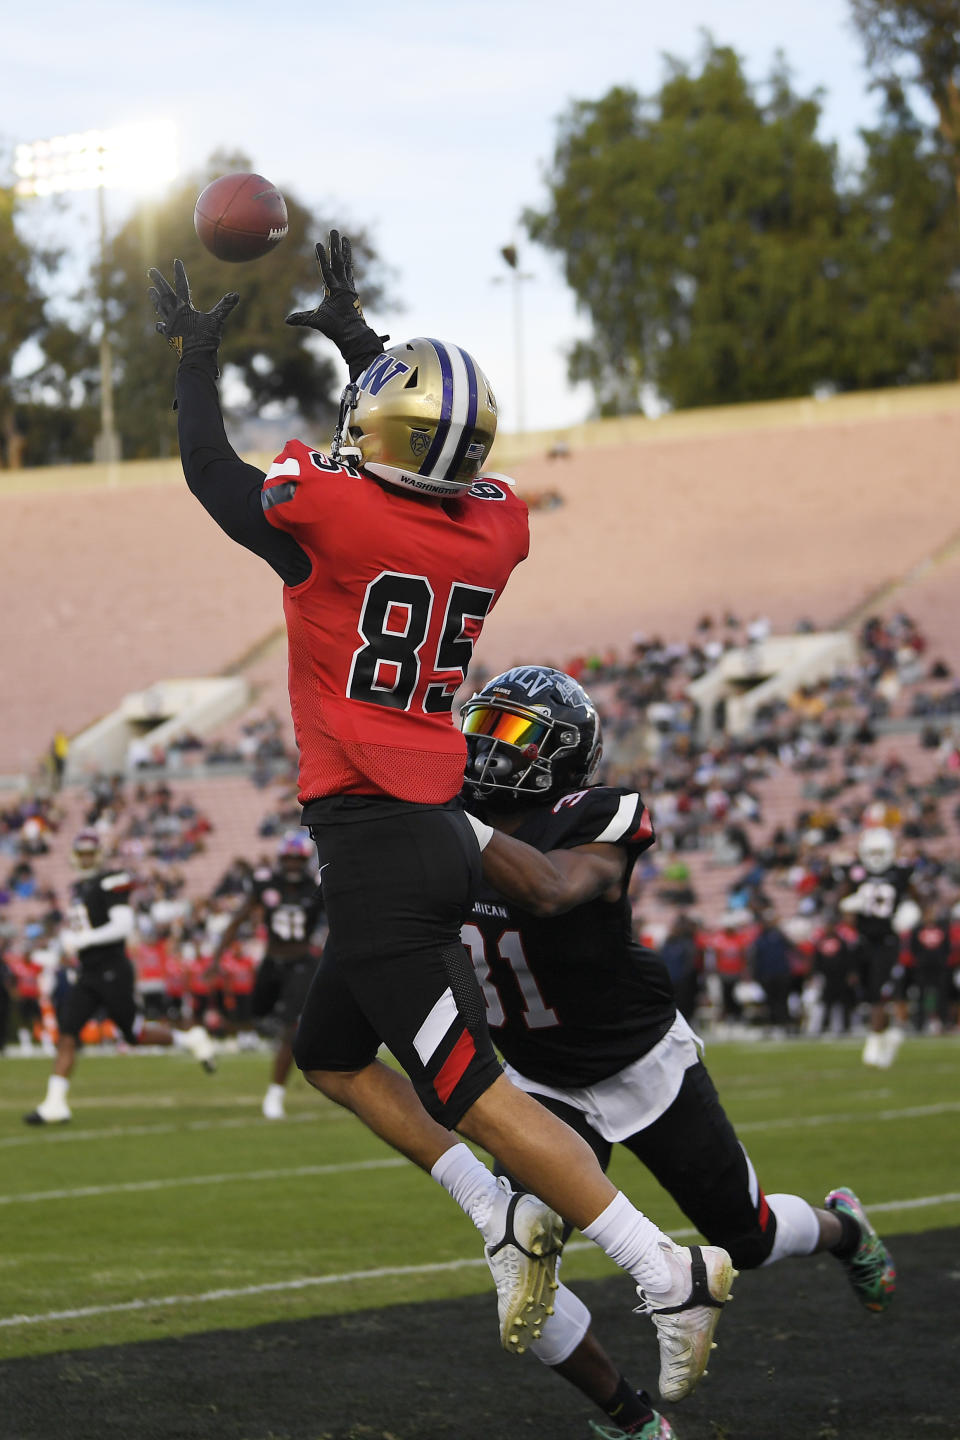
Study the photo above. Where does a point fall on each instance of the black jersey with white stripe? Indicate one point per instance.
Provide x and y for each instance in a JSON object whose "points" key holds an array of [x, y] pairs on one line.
{"points": [[573, 998], [91, 900], [292, 907], [878, 899]]}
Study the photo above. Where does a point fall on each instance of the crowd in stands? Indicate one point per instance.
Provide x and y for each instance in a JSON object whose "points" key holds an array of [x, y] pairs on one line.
{"points": [[260, 746], [739, 894]]}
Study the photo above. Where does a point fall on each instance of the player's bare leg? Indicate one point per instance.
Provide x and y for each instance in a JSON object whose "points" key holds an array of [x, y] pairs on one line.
{"points": [[66, 1057], [196, 1041], [547, 1157], [387, 1104]]}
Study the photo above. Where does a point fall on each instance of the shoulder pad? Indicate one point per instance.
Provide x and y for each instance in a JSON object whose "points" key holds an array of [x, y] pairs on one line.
{"points": [[288, 496], [116, 880], [603, 815]]}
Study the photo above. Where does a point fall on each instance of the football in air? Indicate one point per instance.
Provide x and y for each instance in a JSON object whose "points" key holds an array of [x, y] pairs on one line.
{"points": [[240, 217]]}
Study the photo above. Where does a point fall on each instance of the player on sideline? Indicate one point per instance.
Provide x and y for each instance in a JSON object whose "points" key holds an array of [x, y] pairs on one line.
{"points": [[100, 921], [290, 902], [586, 1019], [879, 898], [392, 551]]}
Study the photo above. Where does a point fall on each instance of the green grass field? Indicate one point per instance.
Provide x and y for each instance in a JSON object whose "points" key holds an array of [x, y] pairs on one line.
{"points": [[170, 1206]]}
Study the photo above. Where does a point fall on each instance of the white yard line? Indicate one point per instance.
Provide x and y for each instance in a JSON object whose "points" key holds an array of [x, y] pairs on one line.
{"points": [[913, 1112], [241, 1177], [122, 1132], [308, 1282], [133, 1187]]}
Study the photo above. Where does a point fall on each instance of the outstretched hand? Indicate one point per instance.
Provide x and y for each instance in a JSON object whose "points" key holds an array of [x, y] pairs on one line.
{"points": [[340, 305], [179, 321], [339, 315]]}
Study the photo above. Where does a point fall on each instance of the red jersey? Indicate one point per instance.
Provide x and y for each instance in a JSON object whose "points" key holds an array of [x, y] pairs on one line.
{"points": [[381, 633]]}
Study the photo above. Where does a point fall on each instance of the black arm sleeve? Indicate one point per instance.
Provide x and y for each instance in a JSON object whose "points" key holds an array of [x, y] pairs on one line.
{"points": [[227, 487]]}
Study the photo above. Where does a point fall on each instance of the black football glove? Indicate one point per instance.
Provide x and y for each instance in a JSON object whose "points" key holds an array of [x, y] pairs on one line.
{"points": [[186, 328], [339, 315]]}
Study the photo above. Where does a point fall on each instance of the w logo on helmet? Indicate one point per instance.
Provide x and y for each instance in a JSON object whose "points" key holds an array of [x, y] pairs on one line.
{"points": [[386, 367]]}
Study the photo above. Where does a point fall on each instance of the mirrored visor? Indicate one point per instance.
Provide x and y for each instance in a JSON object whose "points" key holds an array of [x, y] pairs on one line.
{"points": [[519, 730]]}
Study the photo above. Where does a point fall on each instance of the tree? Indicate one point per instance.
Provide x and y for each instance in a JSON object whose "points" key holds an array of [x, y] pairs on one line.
{"points": [[917, 42], [22, 318], [698, 230], [902, 313], [278, 365]]}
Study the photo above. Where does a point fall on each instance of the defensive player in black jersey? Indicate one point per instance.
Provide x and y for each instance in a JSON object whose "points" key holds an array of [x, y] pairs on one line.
{"points": [[289, 901], [586, 1020], [878, 896], [100, 920]]}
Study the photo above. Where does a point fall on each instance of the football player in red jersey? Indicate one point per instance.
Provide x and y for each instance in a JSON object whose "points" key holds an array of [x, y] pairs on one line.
{"points": [[100, 921], [392, 550]]}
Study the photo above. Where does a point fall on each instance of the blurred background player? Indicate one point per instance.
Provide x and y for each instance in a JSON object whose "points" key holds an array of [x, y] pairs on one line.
{"points": [[587, 1020], [100, 920], [289, 902], [879, 899], [399, 540]]}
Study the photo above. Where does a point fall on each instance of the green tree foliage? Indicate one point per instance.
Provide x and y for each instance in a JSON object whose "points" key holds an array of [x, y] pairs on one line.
{"points": [[902, 316], [276, 363], [710, 237], [22, 318], [917, 42]]}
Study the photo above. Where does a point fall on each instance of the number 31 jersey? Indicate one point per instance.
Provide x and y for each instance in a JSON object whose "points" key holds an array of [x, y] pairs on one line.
{"points": [[382, 632], [572, 999]]}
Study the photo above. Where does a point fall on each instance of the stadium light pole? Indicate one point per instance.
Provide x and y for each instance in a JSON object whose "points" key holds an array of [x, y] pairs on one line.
{"points": [[133, 157], [511, 257]]}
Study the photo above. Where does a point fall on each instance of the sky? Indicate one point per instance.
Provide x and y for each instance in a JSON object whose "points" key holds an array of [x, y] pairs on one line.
{"points": [[430, 123]]}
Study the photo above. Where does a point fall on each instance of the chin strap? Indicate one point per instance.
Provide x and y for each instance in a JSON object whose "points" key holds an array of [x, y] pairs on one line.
{"points": [[338, 451]]}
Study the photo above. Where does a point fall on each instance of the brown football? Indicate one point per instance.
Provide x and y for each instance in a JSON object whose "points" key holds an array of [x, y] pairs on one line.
{"points": [[240, 217]]}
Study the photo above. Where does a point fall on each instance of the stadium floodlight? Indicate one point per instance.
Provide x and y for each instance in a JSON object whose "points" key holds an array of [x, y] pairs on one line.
{"points": [[130, 157], [140, 157], [518, 277]]}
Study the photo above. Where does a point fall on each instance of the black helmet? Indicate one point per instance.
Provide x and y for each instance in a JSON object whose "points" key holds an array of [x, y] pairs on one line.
{"points": [[532, 734]]}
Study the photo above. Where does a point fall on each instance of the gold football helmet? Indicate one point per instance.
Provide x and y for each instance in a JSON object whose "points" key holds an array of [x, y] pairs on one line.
{"points": [[421, 416]]}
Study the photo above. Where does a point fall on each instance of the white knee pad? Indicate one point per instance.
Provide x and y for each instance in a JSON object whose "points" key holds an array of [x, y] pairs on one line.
{"points": [[564, 1329], [798, 1229]]}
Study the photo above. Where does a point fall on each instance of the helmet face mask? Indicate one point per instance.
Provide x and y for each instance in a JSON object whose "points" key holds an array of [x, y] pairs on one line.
{"points": [[532, 735], [877, 850], [294, 853], [422, 416], [86, 853]]}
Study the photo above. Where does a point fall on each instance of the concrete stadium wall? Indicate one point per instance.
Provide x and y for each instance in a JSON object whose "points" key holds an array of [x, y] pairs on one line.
{"points": [[113, 578]]}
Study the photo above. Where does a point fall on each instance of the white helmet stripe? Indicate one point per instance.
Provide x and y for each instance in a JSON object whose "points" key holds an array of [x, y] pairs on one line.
{"points": [[452, 356]]}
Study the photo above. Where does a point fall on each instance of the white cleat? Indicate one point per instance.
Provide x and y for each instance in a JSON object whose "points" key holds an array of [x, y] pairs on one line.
{"points": [[685, 1326], [273, 1108], [523, 1264], [201, 1047], [49, 1115]]}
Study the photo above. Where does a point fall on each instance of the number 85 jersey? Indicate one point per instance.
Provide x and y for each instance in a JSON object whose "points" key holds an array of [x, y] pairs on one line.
{"points": [[573, 998], [381, 633]]}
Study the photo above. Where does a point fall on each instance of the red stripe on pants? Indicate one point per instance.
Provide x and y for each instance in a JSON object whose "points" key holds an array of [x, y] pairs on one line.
{"points": [[454, 1066]]}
